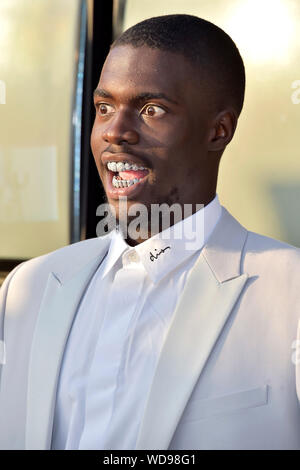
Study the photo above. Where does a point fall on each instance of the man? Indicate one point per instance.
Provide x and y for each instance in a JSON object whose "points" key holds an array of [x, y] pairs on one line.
{"points": [[134, 341]]}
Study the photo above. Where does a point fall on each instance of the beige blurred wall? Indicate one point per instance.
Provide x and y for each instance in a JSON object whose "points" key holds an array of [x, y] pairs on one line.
{"points": [[38, 43], [259, 179]]}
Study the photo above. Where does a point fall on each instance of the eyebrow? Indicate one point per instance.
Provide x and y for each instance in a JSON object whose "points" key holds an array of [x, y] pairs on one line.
{"points": [[147, 95]]}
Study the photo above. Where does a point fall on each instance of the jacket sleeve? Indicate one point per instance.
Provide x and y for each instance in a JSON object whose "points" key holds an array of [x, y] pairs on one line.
{"points": [[3, 297], [296, 360]]}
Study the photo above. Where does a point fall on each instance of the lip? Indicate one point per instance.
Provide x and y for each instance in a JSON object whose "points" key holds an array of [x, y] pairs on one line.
{"points": [[122, 157], [130, 191]]}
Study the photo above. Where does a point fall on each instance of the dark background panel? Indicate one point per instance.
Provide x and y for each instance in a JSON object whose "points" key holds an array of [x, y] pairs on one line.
{"points": [[100, 14], [98, 39]]}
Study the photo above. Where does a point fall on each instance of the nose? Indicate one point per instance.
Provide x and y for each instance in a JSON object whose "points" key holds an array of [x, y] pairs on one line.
{"points": [[120, 129]]}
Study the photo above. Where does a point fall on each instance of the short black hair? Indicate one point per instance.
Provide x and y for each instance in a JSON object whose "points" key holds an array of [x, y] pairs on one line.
{"points": [[202, 43]]}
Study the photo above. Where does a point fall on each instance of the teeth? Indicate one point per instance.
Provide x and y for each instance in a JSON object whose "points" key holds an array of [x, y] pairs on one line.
{"points": [[120, 166], [124, 183]]}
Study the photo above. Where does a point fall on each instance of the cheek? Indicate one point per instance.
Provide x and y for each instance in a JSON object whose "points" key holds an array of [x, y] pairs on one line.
{"points": [[169, 149], [177, 135], [166, 134], [96, 137], [94, 143], [93, 139]]}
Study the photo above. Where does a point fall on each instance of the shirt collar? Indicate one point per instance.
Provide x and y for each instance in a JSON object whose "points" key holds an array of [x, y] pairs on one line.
{"points": [[163, 252], [117, 246]]}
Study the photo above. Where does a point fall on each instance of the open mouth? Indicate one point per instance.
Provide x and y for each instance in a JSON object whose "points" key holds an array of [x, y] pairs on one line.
{"points": [[124, 177]]}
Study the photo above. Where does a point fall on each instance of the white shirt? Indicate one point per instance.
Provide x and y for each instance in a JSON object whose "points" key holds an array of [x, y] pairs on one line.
{"points": [[118, 333]]}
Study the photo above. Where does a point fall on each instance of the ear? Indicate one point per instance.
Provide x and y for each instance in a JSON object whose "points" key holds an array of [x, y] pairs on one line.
{"points": [[222, 130]]}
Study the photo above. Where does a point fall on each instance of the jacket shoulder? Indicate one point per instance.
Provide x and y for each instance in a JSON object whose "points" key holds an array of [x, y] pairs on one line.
{"points": [[262, 244], [68, 256], [277, 258]]}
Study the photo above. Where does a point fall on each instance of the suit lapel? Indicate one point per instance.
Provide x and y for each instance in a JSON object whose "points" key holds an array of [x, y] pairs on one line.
{"points": [[210, 293], [59, 305]]}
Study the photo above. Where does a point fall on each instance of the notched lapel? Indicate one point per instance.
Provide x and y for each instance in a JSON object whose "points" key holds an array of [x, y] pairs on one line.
{"points": [[198, 320], [59, 305]]}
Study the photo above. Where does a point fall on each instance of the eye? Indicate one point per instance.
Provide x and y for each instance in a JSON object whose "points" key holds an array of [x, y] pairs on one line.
{"points": [[153, 110], [104, 108]]}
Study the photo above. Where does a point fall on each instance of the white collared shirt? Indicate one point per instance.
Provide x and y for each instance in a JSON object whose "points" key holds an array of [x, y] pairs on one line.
{"points": [[118, 333]]}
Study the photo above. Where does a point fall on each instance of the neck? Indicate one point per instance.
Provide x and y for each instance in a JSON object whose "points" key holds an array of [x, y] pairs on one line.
{"points": [[136, 231]]}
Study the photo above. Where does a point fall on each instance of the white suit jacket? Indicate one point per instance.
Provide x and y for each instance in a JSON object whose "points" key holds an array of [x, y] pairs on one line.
{"points": [[228, 376]]}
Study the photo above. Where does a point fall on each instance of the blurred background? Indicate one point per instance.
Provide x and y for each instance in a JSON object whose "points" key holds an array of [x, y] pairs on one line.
{"points": [[51, 56]]}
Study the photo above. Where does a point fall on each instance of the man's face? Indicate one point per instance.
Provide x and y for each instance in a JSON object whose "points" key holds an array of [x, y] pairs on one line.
{"points": [[152, 111]]}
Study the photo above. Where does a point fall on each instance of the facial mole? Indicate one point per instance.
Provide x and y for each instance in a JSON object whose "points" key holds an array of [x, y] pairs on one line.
{"points": [[173, 195]]}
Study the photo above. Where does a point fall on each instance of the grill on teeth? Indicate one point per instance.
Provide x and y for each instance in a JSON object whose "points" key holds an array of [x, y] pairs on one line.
{"points": [[112, 166], [124, 183], [120, 166]]}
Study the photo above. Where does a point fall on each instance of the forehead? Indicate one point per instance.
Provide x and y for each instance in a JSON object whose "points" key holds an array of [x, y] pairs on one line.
{"points": [[127, 68]]}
